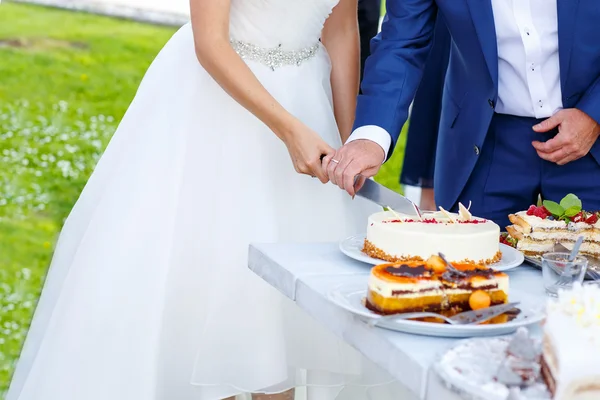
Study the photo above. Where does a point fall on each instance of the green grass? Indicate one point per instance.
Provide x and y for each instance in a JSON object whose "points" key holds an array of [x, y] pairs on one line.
{"points": [[66, 80]]}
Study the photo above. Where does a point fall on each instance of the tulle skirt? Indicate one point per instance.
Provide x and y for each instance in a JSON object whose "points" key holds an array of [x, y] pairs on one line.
{"points": [[148, 295]]}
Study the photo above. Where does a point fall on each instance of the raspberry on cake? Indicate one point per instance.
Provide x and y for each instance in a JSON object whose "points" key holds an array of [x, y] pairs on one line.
{"points": [[461, 237], [571, 344], [539, 228], [429, 286]]}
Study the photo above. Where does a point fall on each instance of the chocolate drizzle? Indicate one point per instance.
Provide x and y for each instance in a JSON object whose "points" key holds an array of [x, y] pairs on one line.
{"points": [[408, 271], [452, 276]]}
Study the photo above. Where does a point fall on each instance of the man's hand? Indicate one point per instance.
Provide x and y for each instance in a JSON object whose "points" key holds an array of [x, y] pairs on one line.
{"points": [[577, 132], [359, 157]]}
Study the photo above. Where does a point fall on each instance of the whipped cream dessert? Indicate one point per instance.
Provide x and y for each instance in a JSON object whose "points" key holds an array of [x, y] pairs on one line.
{"points": [[538, 229], [571, 344], [460, 237]]}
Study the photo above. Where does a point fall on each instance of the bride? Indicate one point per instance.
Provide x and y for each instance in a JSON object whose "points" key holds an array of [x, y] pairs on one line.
{"points": [[148, 296]]}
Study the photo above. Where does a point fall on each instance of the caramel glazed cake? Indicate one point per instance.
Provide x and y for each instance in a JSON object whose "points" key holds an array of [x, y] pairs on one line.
{"points": [[417, 286], [571, 344], [537, 230], [460, 237]]}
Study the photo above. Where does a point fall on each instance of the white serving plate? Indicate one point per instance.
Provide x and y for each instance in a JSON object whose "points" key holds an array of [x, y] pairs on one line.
{"points": [[352, 247], [351, 297]]}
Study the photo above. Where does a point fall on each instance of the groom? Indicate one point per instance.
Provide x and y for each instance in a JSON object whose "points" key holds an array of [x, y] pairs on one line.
{"points": [[521, 103]]}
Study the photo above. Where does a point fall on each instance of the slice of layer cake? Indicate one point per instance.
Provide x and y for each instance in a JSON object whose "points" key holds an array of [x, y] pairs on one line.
{"points": [[461, 237], [539, 228], [428, 286], [571, 344]]}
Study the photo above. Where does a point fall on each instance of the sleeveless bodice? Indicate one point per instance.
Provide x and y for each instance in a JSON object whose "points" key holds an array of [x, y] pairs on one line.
{"points": [[288, 24]]}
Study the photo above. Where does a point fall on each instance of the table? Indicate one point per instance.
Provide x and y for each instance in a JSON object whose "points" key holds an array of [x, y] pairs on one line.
{"points": [[306, 273]]}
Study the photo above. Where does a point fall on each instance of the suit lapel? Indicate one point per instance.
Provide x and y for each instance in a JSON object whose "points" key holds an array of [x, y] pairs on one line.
{"points": [[567, 11], [483, 20]]}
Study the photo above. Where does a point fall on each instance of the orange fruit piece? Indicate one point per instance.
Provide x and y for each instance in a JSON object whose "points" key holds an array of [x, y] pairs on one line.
{"points": [[436, 264], [479, 299]]}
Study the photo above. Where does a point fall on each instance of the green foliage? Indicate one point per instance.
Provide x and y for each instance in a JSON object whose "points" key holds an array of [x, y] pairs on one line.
{"points": [[67, 78]]}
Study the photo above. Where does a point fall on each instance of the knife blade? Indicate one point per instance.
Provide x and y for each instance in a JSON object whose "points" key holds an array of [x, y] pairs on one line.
{"points": [[484, 314], [385, 197]]}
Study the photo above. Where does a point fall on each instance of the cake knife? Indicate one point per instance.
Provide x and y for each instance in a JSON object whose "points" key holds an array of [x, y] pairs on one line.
{"points": [[464, 318], [385, 197]]}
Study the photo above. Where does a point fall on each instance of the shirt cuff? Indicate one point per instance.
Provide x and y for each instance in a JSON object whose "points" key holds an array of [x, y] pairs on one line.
{"points": [[375, 134]]}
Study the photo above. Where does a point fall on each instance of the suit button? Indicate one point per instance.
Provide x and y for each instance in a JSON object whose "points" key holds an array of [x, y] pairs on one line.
{"points": [[476, 150], [491, 103]]}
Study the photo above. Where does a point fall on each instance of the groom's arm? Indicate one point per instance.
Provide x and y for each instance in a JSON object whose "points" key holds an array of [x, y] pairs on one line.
{"points": [[393, 71]]}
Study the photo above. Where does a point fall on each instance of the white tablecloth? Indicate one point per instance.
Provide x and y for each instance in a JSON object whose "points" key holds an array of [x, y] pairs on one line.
{"points": [[306, 273]]}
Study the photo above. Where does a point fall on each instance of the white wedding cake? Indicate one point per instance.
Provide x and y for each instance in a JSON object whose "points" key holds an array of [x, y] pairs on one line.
{"points": [[460, 237]]}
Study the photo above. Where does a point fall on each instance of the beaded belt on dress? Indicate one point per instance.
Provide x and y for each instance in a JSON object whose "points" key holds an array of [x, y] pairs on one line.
{"points": [[273, 57]]}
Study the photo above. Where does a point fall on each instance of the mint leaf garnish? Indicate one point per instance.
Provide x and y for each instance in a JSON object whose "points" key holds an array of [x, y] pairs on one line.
{"points": [[570, 201], [572, 211], [554, 208], [568, 208]]}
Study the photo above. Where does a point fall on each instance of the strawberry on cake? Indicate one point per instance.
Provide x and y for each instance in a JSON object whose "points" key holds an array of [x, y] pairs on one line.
{"points": [[537, 230]]}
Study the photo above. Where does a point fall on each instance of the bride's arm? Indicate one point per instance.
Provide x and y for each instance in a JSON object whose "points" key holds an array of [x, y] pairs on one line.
{"points": [[210, 25], [341, 38]]}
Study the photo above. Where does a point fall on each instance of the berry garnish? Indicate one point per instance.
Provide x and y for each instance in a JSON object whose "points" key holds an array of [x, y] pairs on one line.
{"points": [[578, 217], [508, 240], [592, 219], [538, 211]]}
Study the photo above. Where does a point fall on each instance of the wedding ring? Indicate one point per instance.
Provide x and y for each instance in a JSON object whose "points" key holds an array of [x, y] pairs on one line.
{"points": [[335, 161]]}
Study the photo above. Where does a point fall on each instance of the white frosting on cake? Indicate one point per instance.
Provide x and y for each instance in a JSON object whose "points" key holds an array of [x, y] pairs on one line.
{"points": [[572, 343], [457, 239]]}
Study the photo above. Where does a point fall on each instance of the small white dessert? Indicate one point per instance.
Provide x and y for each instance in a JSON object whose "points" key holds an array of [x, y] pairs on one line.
{"points": [[571, 344], [460, 237]]}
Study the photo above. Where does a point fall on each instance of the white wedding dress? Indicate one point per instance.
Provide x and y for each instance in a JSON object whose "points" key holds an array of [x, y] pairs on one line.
{"points": [[148, 296]]}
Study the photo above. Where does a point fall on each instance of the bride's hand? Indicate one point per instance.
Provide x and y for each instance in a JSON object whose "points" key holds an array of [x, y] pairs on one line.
{"points": [[306, 149]]}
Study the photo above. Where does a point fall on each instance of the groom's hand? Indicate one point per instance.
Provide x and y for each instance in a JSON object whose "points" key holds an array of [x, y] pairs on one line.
{"points": [[577, 133], [359, 157]]}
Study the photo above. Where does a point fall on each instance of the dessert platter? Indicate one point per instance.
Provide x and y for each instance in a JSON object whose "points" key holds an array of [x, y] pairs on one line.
{"points": [[434, 286], [563, 365], [542, 227], [463, 238]]}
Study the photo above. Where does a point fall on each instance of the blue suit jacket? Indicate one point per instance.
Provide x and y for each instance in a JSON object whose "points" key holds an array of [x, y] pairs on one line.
{"points": [[394, 70], [422, 134]]}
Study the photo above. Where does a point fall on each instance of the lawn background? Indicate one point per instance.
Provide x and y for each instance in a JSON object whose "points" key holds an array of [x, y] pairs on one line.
{"points": [[66, 81]]}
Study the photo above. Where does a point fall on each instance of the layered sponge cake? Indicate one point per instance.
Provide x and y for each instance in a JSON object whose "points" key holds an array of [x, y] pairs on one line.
{"points": [[428, 286], [540, 227]]}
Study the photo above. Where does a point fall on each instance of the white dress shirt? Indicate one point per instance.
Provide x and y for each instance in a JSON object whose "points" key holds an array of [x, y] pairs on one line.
{"points": [[528, 64]]}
